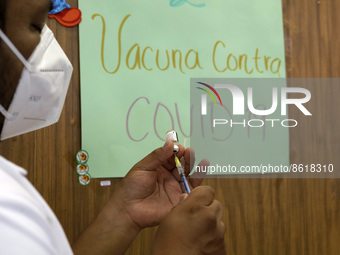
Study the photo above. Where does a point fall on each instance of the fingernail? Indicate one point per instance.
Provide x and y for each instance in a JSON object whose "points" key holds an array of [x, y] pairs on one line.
{"points": [[182, 197]]}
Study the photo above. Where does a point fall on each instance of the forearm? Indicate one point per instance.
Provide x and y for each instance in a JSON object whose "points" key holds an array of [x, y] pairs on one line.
{"points": [[112, 232]]}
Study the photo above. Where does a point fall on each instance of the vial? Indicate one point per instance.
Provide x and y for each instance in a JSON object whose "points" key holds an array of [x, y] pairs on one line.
{"points": [[172, 136]]}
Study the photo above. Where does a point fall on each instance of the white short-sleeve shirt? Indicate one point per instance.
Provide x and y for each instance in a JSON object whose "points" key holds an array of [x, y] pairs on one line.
{"points": [[27, 223]]}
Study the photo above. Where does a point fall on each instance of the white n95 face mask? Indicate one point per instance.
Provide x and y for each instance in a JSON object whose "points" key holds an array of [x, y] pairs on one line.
{"points": [[41, 91]]}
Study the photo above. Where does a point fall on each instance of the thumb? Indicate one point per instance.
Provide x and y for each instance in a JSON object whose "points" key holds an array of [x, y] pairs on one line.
{"points": [[155, 158]]}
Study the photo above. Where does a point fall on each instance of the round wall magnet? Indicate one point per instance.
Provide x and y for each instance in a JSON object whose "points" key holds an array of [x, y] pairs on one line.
{"points": [[82, 157], [82, 169], [84, 179]]}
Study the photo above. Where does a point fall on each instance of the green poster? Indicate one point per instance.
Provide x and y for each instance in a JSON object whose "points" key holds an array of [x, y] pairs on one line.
{"points": [[137, 58]]}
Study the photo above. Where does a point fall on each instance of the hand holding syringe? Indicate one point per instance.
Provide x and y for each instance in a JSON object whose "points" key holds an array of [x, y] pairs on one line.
{"points": [[172, 136]]}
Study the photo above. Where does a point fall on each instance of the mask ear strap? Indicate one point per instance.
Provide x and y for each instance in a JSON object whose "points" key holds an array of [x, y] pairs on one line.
{"points": [[15, 50], [6, 113]]}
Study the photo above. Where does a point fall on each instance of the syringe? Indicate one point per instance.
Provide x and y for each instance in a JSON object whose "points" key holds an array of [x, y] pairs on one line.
{"points": [[182, 175]]}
